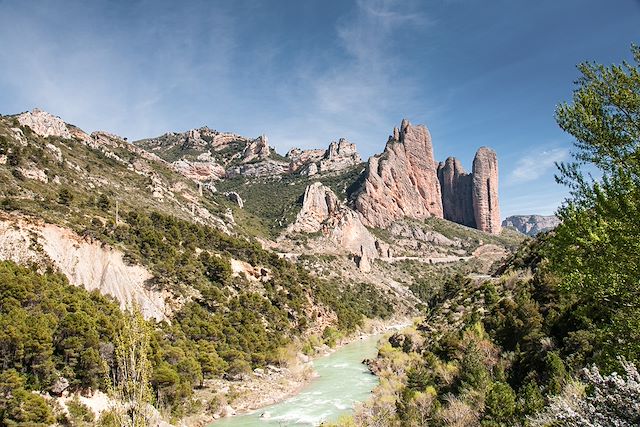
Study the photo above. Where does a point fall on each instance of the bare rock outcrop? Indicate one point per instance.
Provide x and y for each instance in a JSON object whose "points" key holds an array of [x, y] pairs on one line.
{"points": [[340, 155], [455, 184], [300, 158], [201, 171], [84, 262], [44, 124], [531, 224], [402, 181], [258, 149], [323, 212], [485, 191]]}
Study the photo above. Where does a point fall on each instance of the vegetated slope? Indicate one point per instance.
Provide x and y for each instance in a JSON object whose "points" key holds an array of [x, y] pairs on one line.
{"points": [[528, 346], [490, 351], [235, 304], [272, 203]]}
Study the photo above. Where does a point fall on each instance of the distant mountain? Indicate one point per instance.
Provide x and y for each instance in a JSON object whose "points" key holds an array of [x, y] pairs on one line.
{"points": [[531, 224]]}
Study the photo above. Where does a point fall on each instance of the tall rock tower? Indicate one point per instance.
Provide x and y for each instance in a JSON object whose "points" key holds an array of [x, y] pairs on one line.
{"points": [[402, 181], [486, 206], [455, 184]]}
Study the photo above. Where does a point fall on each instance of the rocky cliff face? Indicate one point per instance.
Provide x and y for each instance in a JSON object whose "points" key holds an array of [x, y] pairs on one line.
{"points": [[486, 207], [207, 155], [402, 181], [531, 224], [339, 156], [86, 263], [323, 212], [44, 124], [455, 184]]}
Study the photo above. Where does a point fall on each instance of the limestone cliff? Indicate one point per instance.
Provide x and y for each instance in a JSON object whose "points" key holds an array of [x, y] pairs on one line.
{"points": [[44, 124], [323, 212], [485, 191], [531, 224], [402, 181]]}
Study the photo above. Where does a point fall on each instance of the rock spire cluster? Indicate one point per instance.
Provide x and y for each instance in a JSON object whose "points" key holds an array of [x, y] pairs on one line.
{"points": [[404, 181]]}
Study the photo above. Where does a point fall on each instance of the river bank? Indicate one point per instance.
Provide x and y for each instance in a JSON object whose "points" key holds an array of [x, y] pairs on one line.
{"points": [[264, 387]]}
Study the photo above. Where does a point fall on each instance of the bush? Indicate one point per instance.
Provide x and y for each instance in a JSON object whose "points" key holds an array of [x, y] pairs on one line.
{"points": [[500, 404]]}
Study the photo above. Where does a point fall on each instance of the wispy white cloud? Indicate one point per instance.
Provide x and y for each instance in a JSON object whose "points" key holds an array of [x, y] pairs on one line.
{"points": [[535, 164], [353, 95], [104, 66]]}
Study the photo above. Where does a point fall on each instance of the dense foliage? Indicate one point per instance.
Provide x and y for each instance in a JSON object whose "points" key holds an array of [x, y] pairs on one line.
{"points": [[513, 350], [49, 330]]}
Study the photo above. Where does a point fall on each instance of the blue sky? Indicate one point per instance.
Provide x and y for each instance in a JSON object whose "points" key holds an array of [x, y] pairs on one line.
{"points": [[308, 72]]}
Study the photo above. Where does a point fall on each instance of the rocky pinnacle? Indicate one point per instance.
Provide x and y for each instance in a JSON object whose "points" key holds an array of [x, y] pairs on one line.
{"points": [[485, 191]]}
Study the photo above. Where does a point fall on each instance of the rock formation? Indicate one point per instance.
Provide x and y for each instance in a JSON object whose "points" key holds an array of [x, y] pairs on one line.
{"points": [[322, 211], [235, 198], [338, 156], [402, 181], [455, 184], [201, 171], [44, 124], [300, 158], [86, 263], [485, 191], [531, 224], [258, 149]]}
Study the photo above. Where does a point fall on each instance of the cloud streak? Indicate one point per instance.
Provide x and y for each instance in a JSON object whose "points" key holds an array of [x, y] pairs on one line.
{"points": [[536, 164]]}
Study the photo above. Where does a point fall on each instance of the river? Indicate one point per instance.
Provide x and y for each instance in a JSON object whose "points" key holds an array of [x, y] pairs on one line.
{"points": [[342, 382]]}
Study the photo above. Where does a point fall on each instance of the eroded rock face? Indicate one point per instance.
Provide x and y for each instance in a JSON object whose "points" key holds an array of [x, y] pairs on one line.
{"points": [[340, 155], [322, 211], [457, 200], [86, 263], [531, 224], [44, 124], [485, 191], [301, 158], [258, 149], [201, 171], [402, 181]]}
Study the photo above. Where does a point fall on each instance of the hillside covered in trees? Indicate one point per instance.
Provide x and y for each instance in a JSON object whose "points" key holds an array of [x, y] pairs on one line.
{"points": [[552, 339]]}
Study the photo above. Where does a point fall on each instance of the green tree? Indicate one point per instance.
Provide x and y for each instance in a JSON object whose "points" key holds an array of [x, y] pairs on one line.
{"points": [[133, 370], [596, 249], [65, 196], [500, 404]]}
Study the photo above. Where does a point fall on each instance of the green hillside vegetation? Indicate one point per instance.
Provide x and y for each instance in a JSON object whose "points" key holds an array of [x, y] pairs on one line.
{"points": [[87, 183], [273, 203], [227, 325], [538, 344]]}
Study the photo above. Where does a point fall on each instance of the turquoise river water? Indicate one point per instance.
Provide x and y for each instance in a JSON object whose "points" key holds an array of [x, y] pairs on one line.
{"points": [[342, 382]]}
